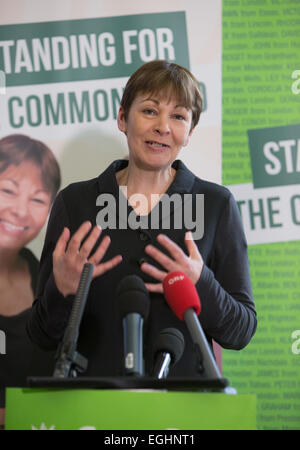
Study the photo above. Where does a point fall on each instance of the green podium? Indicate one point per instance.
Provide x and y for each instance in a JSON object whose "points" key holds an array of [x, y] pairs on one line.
{"points": [[59, 408]]}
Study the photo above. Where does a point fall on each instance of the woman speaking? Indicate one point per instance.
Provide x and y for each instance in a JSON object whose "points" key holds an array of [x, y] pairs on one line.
{"points": [[160, 108]]}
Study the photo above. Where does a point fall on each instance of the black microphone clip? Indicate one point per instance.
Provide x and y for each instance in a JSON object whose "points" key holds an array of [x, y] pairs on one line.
{"points": [[69, 361]]}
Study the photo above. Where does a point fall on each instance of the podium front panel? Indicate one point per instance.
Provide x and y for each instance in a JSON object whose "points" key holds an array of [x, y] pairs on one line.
{"points": [[74, 409]]}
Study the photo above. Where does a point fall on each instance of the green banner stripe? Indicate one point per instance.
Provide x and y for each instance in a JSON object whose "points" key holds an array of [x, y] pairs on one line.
{"points": [[275, 156], [90, 49]]}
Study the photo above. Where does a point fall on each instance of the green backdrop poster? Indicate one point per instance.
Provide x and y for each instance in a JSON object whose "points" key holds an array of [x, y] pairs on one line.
{"points": [[261, 165]]}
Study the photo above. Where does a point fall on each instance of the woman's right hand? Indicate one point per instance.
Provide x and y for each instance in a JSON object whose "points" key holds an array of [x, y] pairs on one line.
{"points": [[70, 255]]}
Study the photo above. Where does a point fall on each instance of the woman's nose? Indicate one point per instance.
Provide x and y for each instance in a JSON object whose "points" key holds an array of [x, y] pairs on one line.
{"points": [[20, 206], [162, 125]]}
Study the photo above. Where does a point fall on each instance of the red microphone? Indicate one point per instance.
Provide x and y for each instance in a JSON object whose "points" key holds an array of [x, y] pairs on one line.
{"points": [[182, 297], [181, 294]]}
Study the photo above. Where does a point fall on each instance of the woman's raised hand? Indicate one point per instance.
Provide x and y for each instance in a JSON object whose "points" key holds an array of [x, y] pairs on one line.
{"points": [[70, 255], [177, 261]]}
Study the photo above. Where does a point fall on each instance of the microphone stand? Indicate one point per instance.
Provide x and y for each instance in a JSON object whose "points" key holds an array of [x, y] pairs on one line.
{"points": [[69, 361], [161, 369], [201, 344]]}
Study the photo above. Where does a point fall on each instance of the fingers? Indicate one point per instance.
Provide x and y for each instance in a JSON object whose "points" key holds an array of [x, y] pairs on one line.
{"points": [[153, 271], [192, 248], [75, 247], [174, 250], [164, 260], [101, 250], [100, 269], [62, 242], [176, 253], [88, 245], [158, 287], [70, 255], [177, 259], [77, 238], [97, 257]]}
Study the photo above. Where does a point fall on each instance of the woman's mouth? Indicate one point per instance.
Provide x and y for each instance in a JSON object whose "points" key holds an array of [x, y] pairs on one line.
{"points": [[157, 145], [11, 227]]}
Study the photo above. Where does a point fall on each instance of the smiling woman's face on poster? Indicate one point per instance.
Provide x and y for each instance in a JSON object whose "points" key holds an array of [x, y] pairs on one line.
{"points": [[24, 204], [29, 180]]}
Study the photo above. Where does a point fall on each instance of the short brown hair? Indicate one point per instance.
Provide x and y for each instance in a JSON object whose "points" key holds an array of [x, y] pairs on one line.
{"points": [[160, 76], [17, 148]]}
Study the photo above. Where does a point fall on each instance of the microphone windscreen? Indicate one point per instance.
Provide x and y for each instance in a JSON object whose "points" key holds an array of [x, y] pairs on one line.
{"points": [[170, 340], [133, 297], [181, 294]]}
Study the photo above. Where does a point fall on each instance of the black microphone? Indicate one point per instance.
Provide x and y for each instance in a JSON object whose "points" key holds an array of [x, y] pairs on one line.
{"points": [[134, 305], [68, 359], [168, 350]]}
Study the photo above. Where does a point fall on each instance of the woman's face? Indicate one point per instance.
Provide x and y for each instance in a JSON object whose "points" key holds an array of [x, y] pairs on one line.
{"points": [[156, 130], [24, 205]]}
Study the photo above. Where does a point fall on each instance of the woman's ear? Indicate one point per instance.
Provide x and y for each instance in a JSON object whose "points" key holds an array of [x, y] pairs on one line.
{"points": [[121, 120], [187, 140]]}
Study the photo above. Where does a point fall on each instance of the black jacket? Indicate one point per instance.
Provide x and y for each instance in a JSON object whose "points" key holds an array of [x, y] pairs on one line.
{"points": [[228, 314]]}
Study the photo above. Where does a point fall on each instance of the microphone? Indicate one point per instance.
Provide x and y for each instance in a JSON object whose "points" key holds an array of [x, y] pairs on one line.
{"points": [[134, 304], [168, 350], [182, 297], [68, 359]]}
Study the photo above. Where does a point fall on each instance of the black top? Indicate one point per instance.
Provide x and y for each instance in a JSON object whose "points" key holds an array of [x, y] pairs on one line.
{"points": [[22, 358], [228, 313]]}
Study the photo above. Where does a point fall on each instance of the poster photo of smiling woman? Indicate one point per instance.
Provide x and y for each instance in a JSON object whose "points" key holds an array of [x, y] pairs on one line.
{"points": [[29, 180]]}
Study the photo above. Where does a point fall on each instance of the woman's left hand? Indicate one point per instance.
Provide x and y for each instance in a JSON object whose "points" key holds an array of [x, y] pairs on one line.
{"points": [[177, 261]]}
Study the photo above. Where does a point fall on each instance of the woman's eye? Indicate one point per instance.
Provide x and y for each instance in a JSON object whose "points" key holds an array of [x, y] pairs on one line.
{"points": [[7, 191], [148, 111], [39, 201], [179, 117]]}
